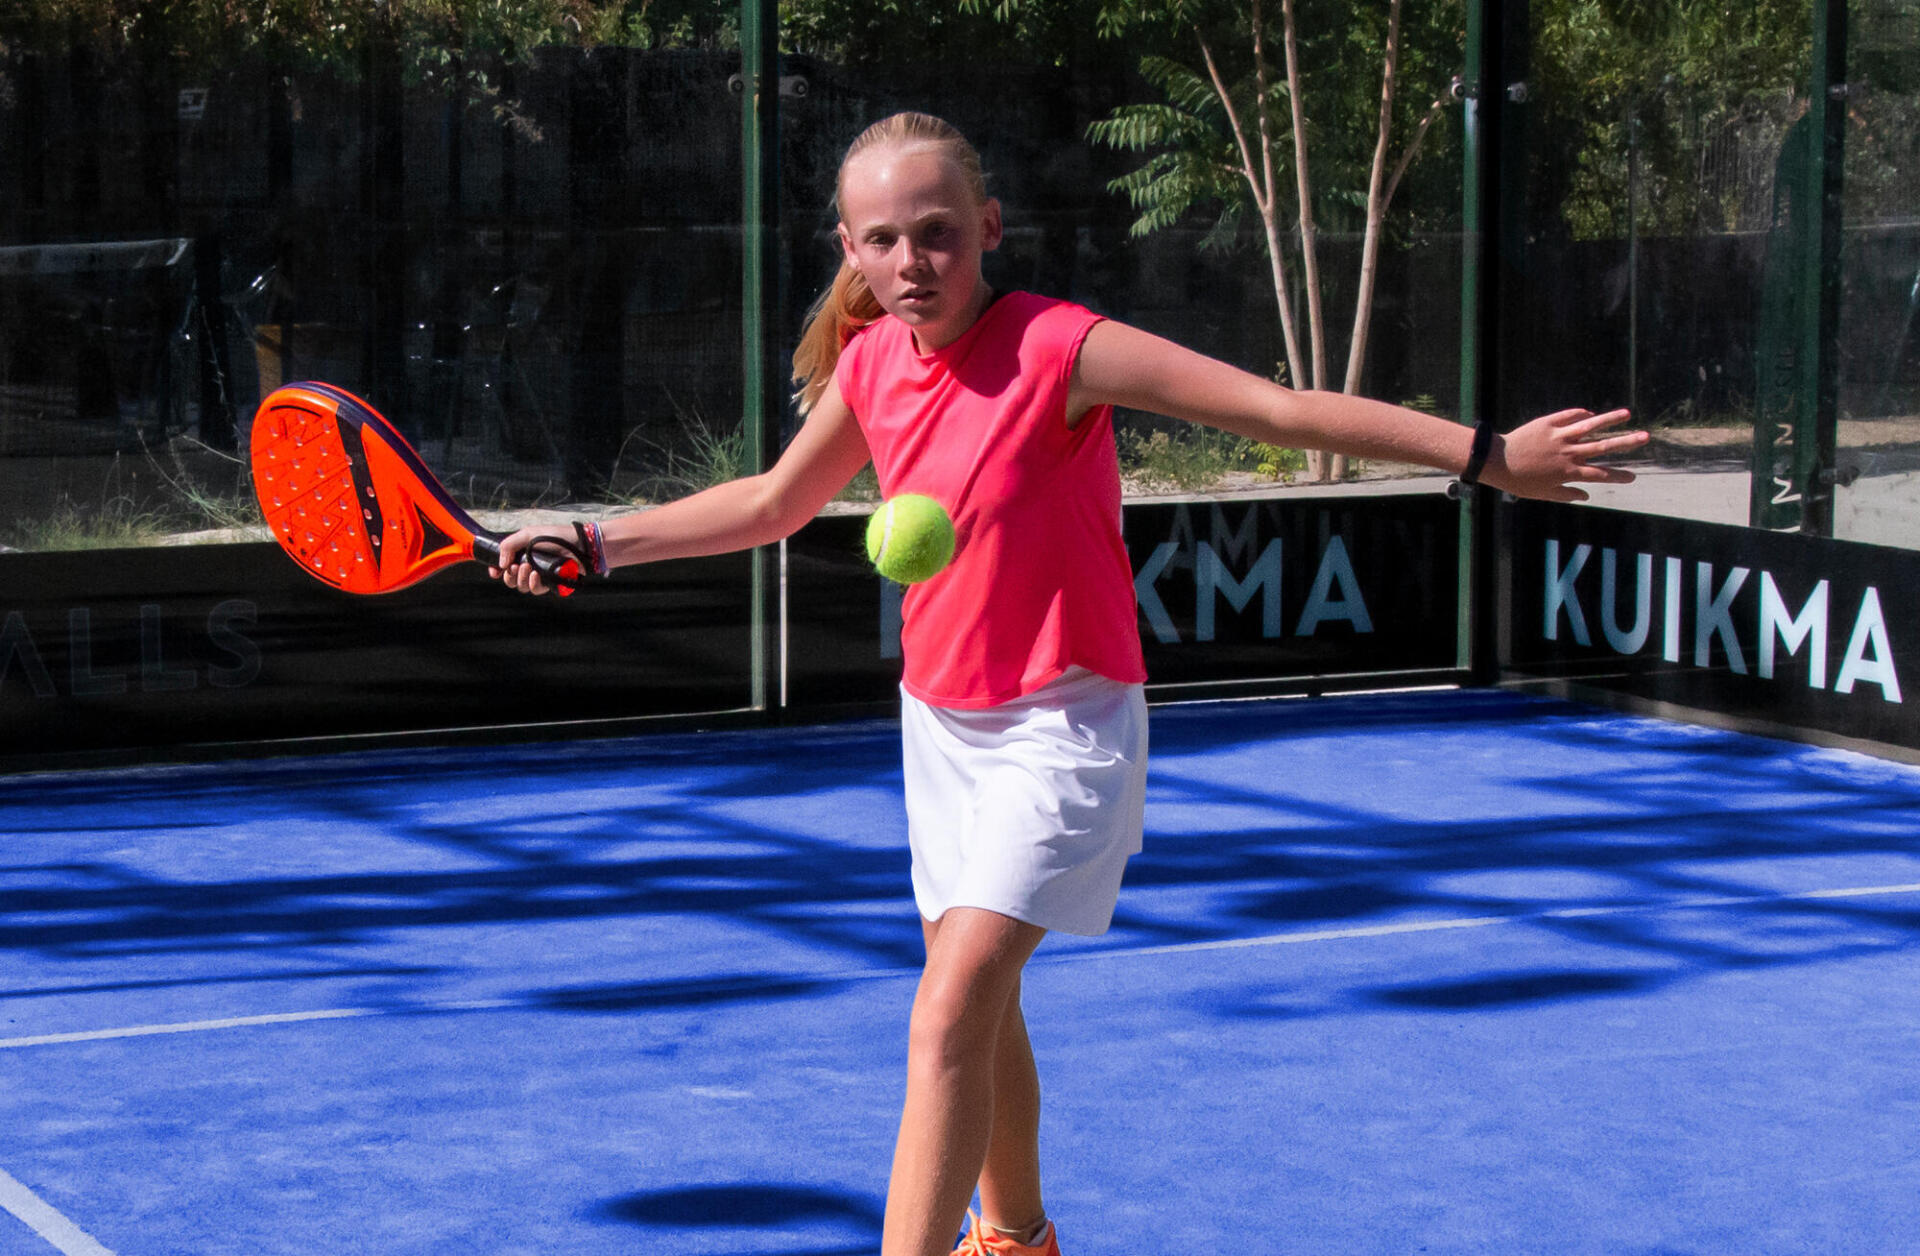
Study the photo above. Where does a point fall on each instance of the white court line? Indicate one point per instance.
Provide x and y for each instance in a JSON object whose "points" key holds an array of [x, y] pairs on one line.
{"points": [[189, 1027], [45, 1220], [874, 974]]}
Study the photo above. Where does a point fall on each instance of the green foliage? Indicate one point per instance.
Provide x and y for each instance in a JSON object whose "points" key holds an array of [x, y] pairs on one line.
{"points": [[1194, 163], [870, 31], [459, 48], [116, 522], [1192, 460], [181, 488], [204, 488], [1283, 112], [1125, 17], [1198, 459], [698, 455], [1274, 463], [650, 24], [1688, 97], [433, 37]]}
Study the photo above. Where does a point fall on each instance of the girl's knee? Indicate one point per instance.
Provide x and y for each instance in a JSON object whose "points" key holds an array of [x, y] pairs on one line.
{"points": [[971, 979], [957, 1018], [949, 1029]]}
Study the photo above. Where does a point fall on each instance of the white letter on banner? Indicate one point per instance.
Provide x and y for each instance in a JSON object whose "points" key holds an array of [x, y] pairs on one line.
{"points": [[17, 642], [1809, 624], [1869, 630], [1670, 639], [1235, 544], [1150, 604], [1560, 594], [1210, 577], [1626, 642], [86, 682], [1713, 613], [155, 675], [221, 630], [1335, 567]]}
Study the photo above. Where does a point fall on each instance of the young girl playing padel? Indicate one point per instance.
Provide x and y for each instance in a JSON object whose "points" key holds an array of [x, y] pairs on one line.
{"points": [[1023, 722]]}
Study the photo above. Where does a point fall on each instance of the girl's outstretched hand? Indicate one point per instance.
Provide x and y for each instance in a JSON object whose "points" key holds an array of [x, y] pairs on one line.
{"points": [[1551, 456]]}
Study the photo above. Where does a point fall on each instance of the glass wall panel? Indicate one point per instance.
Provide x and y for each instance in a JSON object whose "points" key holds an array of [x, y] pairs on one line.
{"points": [[513, 228], [1649, 233], [1879, 304], [1125, 143], [1125, 186]]}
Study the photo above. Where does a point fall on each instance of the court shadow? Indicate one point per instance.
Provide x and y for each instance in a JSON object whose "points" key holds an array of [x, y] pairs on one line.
{"points": [[1511, 990], [1671, 851], [794, 833], [838, 1223], [1262, 817], [647, 995]]}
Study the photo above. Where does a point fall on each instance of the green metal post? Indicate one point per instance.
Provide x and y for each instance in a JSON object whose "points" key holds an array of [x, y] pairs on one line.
{"points": [[1796, 425], [760, 326]]}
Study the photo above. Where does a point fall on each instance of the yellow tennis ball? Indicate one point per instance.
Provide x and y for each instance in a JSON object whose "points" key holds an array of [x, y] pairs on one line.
{"points": [[910, 538]]}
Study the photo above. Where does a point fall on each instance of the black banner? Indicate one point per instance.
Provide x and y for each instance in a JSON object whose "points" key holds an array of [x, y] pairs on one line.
{"points": [[171, 647], [1793, 630], [1228, 591], [175, 646]]}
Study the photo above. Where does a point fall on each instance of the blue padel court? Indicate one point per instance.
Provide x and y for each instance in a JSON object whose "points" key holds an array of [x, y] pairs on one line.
{"points": [[1434, 972]]}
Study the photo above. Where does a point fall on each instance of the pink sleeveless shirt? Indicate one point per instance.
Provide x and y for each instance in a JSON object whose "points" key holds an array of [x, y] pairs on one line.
{"points": [[1040, 580]]}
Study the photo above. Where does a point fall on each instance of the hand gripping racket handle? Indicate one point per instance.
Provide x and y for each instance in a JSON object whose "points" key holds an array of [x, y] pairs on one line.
{"points": [[563, 571]]}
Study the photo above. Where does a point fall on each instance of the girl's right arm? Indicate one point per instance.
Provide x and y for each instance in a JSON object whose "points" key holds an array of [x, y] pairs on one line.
{"points": [[1549, 458], [739, 514]]}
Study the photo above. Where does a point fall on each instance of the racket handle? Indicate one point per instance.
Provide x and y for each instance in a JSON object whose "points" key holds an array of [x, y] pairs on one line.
{"points": [[560, 571]]}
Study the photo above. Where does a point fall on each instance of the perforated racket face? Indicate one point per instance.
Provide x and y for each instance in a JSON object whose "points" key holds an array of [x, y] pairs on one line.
{"points": [[347, 497]]}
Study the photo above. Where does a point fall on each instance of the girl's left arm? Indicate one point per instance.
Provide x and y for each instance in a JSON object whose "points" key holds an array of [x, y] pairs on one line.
{"points": [[1547, 458]]}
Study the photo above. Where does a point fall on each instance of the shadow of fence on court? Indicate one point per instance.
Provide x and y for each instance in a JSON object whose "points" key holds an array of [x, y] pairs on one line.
{"points": [[1673, 851], [1263, 818], [749, 1206]]}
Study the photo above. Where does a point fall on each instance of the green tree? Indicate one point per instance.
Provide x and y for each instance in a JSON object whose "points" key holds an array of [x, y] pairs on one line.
{"points": [[1053, 33], [1675, 96], [453, 45], [1299, 148]]}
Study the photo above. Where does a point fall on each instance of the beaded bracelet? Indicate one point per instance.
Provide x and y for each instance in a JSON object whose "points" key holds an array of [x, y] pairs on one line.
{"points": [[596, 546]]}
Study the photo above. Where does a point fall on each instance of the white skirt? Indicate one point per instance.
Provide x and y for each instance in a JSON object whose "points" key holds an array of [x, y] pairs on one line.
{"points": [[1031, 808]]}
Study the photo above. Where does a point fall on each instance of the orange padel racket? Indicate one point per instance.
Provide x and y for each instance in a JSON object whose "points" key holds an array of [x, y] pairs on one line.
{"points": [[350, 501]]}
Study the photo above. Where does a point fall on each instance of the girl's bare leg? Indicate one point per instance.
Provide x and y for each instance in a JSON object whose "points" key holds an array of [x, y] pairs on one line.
{"points": [[947, 1124], [1010, 1179]]}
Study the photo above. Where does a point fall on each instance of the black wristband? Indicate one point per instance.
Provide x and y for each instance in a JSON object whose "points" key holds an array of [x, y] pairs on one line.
{"points": [[1477, 459]]}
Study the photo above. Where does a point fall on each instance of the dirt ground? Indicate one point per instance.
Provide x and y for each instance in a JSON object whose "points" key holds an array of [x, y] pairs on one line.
{"points": [[1887, 438]]}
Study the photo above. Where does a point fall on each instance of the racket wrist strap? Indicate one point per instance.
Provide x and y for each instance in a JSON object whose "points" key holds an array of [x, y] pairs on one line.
{"points": [[1477, 457]]}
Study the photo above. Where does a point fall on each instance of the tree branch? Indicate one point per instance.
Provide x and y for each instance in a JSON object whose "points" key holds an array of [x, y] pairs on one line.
{"points": [[1262, 196], [1260, 179], [1434, 111], [1309, 232], [1376, 207]]}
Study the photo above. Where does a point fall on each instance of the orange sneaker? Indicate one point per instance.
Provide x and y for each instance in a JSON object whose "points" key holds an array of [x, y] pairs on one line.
{"points": [[980, 1243]]}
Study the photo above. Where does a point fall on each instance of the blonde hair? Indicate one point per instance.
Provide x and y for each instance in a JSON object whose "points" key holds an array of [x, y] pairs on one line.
{"points": [[848, 304]]}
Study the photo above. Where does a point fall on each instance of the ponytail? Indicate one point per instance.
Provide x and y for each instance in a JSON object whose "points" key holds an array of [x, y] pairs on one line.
{"points": [[849, 304], [844, 308]]}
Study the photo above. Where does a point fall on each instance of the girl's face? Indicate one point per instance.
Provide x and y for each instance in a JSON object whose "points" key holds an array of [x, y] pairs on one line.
{"points": [[912, 223]]}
